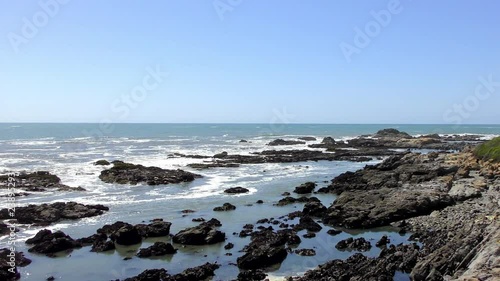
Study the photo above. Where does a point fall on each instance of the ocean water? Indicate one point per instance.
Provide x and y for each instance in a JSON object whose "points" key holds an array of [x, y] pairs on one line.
{"points": [[69, 150]]}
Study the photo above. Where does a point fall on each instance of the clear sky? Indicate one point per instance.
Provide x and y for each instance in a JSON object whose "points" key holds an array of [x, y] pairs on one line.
{"points": [[233, 61]]}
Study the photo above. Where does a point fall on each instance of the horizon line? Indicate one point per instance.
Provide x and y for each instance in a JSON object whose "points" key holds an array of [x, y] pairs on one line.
{"points": [[244, 123]]}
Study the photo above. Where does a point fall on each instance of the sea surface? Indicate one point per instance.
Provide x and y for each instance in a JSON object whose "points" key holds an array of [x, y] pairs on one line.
{"points": [[69, 151]]}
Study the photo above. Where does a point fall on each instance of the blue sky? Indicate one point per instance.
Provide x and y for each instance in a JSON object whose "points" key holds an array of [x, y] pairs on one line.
{"points": [[231, 61]]}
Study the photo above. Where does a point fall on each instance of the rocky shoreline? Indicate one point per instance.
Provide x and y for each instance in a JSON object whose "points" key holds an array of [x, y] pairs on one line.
{"points": [[448, 201]]}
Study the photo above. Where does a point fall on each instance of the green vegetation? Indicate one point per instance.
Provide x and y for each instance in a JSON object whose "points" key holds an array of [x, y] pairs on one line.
{"points": [[489, 150]]}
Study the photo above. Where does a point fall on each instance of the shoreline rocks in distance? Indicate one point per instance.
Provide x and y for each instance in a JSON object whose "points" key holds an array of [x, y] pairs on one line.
{"points": [[279, 142], [126, 173], [307, 138]]}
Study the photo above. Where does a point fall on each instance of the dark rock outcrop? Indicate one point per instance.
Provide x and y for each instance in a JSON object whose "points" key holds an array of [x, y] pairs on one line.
{"points": [[203, 234], [102, 163], [236, 190], [308, 223], [251, 275], [127, 235], [305, 188], [46, 242], [359, 244], [267, 248], [372, 208], [307, 138], [383, 241], [37, 182], [305, 252], [45, 214], [285, 142], [126, 173], [359, 267], [158, 249], [191, 274], [154, 229], [314, 209], [225, 207], [9, 262]]}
